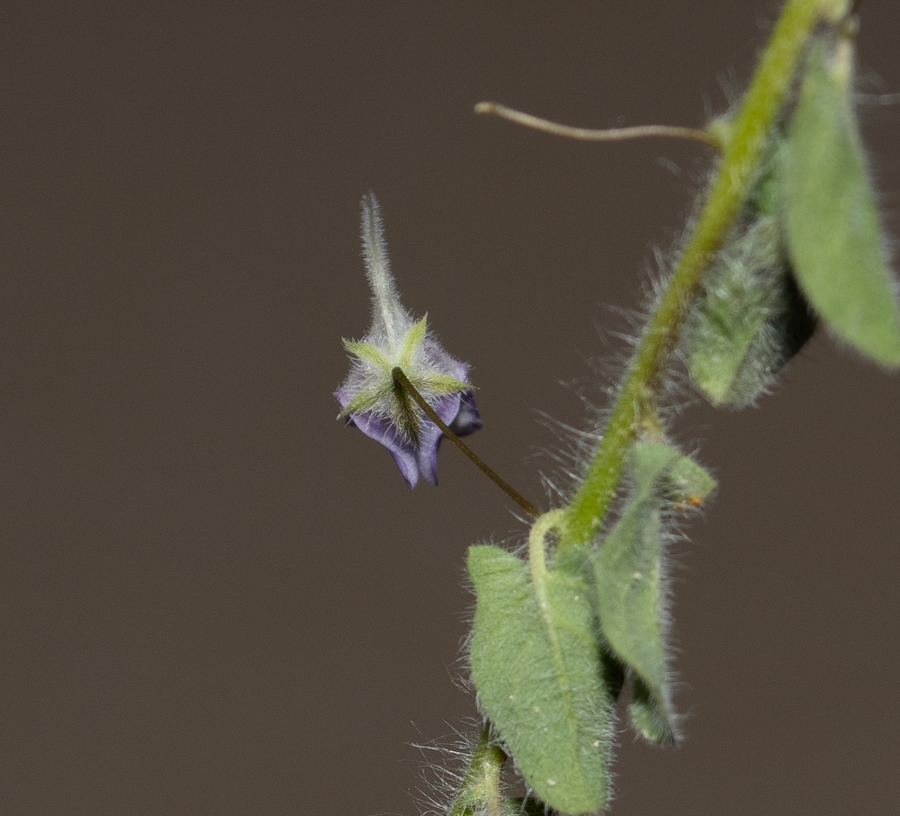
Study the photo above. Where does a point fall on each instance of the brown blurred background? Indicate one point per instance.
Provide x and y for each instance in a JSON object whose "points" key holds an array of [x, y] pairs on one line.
{"points": [[214, 599]]}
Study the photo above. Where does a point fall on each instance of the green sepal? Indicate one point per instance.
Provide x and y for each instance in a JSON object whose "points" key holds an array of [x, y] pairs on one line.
{"points": [[440, 384], [540, 677], [832, 220], [629, 579], [365, 400], [369, 353], [412, 341], [406, 414]]}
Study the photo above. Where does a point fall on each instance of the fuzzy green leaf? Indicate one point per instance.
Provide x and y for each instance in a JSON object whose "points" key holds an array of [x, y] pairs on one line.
{"points": [[751, 319], [688, 482], [649, 720], [832, 221], [538, 671], [629, 580], [627, 575]]}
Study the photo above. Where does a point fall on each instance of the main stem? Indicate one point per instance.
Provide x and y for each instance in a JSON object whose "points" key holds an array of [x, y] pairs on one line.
{"points": [[742, 154]]}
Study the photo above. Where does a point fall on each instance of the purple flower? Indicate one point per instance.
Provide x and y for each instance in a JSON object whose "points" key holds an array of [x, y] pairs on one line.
{"points": [[369, 397]]}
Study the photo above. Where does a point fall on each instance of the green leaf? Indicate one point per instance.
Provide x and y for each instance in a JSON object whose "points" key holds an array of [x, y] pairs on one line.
{"points": [[538, 670], [630, 583], [766, 196], [832, 221], [649, 720], [688, 482], [364, 401], [751, 318]]}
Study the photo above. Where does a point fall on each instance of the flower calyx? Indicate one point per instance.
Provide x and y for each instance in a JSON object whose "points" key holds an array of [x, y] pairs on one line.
{"points": [[373, 400]]}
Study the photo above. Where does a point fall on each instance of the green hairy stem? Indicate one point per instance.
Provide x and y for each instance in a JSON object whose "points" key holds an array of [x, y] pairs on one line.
{"points": [[555, 639], [740, 162], [788, 237]]}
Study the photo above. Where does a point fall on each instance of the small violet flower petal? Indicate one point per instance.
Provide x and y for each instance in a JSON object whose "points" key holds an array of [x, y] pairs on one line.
{"points": [[458, 411], [399, 446], [468, 420], [395, 340]]}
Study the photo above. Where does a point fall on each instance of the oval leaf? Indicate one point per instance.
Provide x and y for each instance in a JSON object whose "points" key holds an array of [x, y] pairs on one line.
{"points": [[539, 676], [630, 583], [648, 719], [832, 221], [751, 319]]}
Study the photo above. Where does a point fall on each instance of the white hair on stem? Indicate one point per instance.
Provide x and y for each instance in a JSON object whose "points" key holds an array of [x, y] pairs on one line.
{"points": [[390, 321]]}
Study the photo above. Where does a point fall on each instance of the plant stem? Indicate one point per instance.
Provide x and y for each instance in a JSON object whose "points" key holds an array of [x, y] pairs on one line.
{"points": [[402, 381], [737, 169], [481, 784], [592, 135]]}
